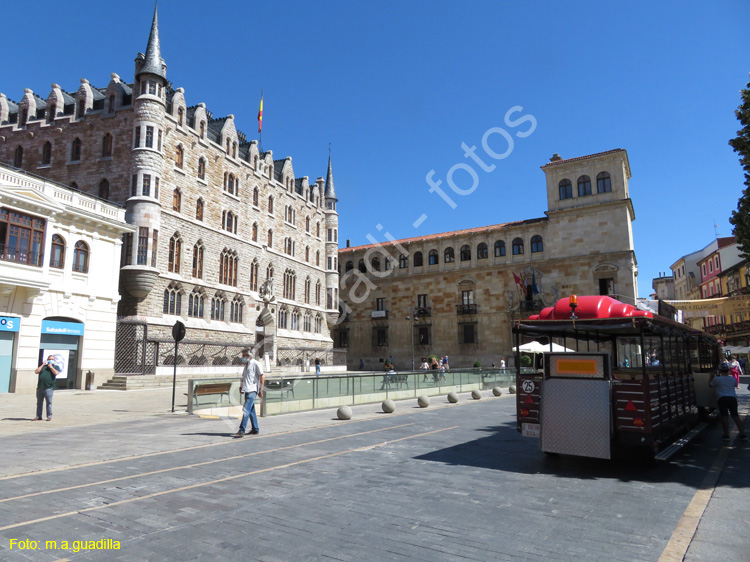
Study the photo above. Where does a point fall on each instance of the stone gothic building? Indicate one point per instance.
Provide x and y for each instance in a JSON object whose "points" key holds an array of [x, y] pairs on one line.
{"points": [[456, 293], [216, 220]]}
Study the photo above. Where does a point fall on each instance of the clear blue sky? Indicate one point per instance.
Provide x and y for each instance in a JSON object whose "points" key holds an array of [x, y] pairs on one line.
{"points": [[397, 86]]}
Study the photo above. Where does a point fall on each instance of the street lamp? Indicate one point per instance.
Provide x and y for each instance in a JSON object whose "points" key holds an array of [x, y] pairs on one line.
{"points": [[413, 315]]}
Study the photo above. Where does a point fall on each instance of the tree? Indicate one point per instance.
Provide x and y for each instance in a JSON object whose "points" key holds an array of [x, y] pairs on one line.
{"points": [[740, 218]]}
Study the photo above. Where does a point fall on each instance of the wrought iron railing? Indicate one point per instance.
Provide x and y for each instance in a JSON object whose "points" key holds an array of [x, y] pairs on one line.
{"points": [[466, 308]]}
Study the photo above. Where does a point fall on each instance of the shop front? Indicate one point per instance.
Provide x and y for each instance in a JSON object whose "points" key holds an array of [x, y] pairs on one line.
{"points": [[8, 333], [62, 339]]}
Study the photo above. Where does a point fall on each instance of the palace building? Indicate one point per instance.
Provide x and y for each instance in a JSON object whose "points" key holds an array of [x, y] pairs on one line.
{"points": [[216, 220], [456, 293]]}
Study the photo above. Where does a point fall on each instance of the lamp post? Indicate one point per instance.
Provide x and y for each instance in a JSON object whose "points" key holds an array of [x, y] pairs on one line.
{"points": [[412, 317]]}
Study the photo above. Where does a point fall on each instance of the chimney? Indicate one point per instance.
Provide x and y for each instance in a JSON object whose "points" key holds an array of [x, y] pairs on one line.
{"points": [[555, 157], [348, 243]]}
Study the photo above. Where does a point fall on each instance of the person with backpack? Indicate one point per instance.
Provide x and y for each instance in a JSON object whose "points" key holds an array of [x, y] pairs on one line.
{"points": [[726, 398]]}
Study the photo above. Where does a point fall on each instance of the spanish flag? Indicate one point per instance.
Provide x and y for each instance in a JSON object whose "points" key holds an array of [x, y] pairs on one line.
{"points": [[260, 114]]}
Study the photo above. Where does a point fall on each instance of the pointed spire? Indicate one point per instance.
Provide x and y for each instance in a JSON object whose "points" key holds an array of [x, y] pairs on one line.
{"points": [[330, 193], [153, 63]]}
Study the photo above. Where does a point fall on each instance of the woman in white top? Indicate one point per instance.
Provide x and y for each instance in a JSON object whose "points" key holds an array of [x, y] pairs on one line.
{"points": [[726, 398]]}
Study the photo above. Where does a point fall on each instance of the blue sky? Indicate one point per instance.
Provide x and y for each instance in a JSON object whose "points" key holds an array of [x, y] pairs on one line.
{"points": [[397, 86]]}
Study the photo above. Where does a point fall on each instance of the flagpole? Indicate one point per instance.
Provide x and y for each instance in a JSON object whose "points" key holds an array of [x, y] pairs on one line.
{"points": [[260, 123]]}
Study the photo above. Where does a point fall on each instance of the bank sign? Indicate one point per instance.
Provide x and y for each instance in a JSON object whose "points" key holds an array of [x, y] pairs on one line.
{"points": [[9, 323], [52, 327]]}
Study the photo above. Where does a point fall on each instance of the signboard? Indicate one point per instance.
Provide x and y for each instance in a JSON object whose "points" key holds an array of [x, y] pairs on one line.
{"points": [[723, 306], [577, 365], [54, 327], [9, 323], [61, 360]]}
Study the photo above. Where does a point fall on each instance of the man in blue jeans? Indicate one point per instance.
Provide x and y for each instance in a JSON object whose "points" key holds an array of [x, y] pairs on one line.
{"points": [[253, 380], [45, 387]]}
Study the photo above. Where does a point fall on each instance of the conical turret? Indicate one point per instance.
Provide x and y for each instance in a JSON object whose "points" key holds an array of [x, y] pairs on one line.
{"points": [[330, 192], [152, 61]]}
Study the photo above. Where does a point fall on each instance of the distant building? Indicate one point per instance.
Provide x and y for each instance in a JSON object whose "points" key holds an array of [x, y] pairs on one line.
{"points": [[663, 287], [59, 263], [216, 219], [456, 293]]}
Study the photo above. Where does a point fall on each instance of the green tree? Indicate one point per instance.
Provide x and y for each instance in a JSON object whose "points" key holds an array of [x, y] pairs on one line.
{"points": [[740, 218]]}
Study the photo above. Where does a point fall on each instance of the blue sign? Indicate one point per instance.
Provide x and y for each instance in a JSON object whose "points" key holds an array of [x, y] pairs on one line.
{"points": [[53, 327], [9, 323]]}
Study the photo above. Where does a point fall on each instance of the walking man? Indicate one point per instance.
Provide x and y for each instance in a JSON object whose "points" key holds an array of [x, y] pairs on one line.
{"points": [[253, 380], [726, 399], [45, 386]]}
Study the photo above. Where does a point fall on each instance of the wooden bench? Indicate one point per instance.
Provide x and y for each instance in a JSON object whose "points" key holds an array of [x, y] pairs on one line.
{"points": [[204, 389]]}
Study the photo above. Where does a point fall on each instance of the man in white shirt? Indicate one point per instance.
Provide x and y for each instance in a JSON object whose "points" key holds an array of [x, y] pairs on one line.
{"points": [[726, 399], [253, 380]]}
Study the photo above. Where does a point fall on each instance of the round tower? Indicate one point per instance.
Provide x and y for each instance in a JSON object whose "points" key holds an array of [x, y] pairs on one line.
{"points": [[331, 248], [139, 272]]}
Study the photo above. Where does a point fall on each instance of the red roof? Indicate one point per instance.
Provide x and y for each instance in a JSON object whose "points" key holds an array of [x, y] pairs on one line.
{"points": [[556, 162], [439, 235]]}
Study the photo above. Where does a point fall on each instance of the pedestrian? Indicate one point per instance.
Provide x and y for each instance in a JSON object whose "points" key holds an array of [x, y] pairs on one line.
{"points": [[252, 383], [726, 398], [425, 367], [45, 386], [317, 367], [361, 364], [502, 362], [445, 363], [735, 369]]}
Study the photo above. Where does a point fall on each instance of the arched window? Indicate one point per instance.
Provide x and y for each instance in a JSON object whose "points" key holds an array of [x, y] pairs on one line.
{"points": [[269, 272], [176, 200], [104, 189], [482, 251], [270, 204], [403, 262], [308, 285], [375, 264], [537, 245], [234, 149], [317, 293], [465, 252], [195, 304], [603, 183], [349, 266], [46, 153], [255, 232], [201, 169], [318, 324], [57, 256], [295, 319], [290, 284], [566, 189], [199, 210], [499, 248], [75, 150], [317, 229], [180, 116], [254, 275], [235, 314], [198, 260], [517, 247], [417, 259], [317, 258], [81, 257], [178, 157], [449, 256], [255, 197], [175, 253], [218, 303], [270, 238], [433, 258], [308, 322], [111, 106], [307, 224], [18, 157], [229, 221], [203, 129], [283, 317], [584, 186], [228, 265], [52, 113], [307, 254], [107, 146], [172, 300], [362, 267]]}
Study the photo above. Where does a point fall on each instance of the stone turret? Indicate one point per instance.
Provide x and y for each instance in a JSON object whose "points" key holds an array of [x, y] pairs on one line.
{"points": [[332, 248], [139, 272]]}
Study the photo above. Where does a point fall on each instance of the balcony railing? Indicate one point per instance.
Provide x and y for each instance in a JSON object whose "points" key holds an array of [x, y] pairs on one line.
{"points": [[16, 255], [423, 312], [466, 308]]}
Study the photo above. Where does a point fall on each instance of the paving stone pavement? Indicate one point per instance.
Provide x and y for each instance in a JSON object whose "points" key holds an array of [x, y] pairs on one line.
{"points": [[450, 482]]}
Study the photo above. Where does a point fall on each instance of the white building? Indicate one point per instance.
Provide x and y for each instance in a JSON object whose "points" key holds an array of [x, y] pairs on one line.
{"points": [[59, 271]]}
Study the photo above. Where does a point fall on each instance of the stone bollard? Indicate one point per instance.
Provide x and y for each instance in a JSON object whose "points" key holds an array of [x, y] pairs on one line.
{"points": [[452, 397], [388, 406], [344, 413], [476, 395], [497, 391], [423, 401], [512, 389]]}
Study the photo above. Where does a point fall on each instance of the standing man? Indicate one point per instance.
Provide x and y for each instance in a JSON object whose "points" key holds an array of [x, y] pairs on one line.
{"points": [[253, 380], [726, 398], [502, 362], [45, 386]]}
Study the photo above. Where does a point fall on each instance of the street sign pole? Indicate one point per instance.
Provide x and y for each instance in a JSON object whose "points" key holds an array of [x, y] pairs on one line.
{"points": [[178, 333]]}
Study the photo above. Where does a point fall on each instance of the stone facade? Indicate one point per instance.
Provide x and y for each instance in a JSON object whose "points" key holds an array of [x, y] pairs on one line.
{"points": [[215, 217], [463, 307]]}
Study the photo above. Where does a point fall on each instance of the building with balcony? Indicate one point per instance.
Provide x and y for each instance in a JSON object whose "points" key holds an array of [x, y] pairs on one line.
{"points": [[59, 261], [456, 293], [227, 239]]}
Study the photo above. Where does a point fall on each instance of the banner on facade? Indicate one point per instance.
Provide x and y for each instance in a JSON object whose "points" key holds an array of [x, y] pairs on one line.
{"points": [[723, 306]]}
